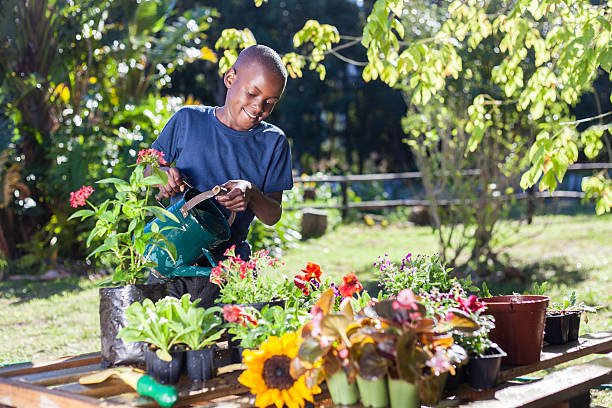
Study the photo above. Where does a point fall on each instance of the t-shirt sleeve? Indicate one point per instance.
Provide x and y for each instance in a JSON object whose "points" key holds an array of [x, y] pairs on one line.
{"points": [[279, 175], [170, 140]]}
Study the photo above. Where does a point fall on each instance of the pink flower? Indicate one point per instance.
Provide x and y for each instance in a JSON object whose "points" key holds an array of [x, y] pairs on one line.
{"points": [[471, 304], [439, 363], [350, 285], [152, 157], [78, 198], [235, 313], [405, 300]]}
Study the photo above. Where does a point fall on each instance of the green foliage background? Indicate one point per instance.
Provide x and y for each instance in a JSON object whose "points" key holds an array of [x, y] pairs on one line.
{"points": [[480, 83]]}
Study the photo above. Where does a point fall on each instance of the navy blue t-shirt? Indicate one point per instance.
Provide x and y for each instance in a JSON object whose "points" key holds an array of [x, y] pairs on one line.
{"points": [[208, 153]]}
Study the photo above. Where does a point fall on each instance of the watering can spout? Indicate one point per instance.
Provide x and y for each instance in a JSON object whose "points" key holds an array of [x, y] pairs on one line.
{"points": [[192, 270]]}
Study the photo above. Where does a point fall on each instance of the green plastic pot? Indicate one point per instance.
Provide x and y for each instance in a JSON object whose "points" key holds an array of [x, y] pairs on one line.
{"points": [[341, 392], [403, 394], [373, 393]]}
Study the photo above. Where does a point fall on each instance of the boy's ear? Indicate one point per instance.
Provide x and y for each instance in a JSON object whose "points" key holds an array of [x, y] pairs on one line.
{"points": [[229, 77]]}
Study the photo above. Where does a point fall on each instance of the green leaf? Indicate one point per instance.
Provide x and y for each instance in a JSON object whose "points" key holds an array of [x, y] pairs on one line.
{"points": [[113, 180], [152, 180], [81, 213], [139, 245]]}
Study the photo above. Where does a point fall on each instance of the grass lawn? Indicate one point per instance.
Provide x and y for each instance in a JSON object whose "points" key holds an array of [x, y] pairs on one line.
{"points": [[45, 320]]}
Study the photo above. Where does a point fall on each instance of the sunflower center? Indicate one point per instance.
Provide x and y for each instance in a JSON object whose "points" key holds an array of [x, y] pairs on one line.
{"points": [[276, 372]]}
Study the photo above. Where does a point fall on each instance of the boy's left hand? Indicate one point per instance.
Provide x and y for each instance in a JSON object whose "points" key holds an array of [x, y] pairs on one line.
{"points": [[238, 197]]}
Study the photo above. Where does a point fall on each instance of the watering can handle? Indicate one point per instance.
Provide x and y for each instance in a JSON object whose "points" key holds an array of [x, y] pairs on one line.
{"points": [[216, 190]]}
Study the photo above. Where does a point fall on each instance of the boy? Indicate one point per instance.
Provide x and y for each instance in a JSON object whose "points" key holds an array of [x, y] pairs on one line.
{"points": [[232, 146]]}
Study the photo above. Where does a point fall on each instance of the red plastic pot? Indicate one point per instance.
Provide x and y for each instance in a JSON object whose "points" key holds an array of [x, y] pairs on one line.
{"points": [[519, 326]]}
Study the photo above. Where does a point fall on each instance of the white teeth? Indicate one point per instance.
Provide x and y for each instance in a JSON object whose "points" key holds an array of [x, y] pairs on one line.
{"points": [[251, 116]]}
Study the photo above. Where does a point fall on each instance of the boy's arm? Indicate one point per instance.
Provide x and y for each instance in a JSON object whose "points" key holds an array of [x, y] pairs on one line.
{"points": [[266, 207]]}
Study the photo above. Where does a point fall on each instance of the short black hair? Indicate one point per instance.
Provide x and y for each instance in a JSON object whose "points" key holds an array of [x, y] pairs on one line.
{"points": [[265, 56]]}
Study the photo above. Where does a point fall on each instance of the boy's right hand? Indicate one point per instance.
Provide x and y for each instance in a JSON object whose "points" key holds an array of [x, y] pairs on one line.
{"points": [[175, 185]]}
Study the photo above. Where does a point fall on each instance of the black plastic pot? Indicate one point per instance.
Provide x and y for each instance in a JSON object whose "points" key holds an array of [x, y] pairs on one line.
{"points": [[113, 303], [454, 381], [166, 372], [200, 364], [483, 371], [236, 352], [557, 330], [574, 326]]}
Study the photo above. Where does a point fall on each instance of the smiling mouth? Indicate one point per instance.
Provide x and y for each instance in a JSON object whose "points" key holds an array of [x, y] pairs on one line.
{"points": [[252, 117]]}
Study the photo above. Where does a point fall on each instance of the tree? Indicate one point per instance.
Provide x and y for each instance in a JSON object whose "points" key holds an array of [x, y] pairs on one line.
{"points": [[548, 53], [80, 86]]}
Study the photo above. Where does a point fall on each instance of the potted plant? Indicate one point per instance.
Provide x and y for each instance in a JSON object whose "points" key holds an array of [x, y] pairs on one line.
{"points": [[122, 242], [154, 324], [421, 351], [484, 355], [254, 283], [563, 320], [325, 349], [391, 349], [250, 327], [420, 273], [200, 329]]}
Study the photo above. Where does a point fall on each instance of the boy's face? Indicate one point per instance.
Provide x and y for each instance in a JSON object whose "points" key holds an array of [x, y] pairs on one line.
{"points": [[252, 93]]}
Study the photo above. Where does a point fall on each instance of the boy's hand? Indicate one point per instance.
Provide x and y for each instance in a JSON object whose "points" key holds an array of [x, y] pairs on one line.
{"points": [[238, 197], [175, 185]]}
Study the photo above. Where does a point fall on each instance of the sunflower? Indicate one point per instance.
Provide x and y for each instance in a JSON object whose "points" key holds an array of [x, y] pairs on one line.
{"points": [[268, 375]]}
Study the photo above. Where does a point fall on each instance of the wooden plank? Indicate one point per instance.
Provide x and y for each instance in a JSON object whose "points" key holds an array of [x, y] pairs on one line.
{"points": [[552, 389], [54, 377], [553, 355], [220, 386], [23, 395], [48, 365], [111, 387]]}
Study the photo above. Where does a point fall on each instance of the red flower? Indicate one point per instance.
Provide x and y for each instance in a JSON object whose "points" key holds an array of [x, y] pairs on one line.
{"points": [[235, 313], [471, 304], [217, 276], [350, 285], [78, 198], [312, 271], [302, 283], [231, 251], [243, 269], [152, 157]]}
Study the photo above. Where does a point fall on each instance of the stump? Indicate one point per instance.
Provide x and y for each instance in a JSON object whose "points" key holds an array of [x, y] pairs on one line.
{"points": [[314, 223], [419, 215]]}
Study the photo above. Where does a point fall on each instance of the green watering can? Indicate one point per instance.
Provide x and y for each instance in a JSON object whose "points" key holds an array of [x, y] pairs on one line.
{"points": [[201, 228]]}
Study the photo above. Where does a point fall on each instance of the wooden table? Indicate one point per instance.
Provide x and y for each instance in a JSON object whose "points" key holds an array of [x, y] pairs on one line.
{"points": [[55, 383]]}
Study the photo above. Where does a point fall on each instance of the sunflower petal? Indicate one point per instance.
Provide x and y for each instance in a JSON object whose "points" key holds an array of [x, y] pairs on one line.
{"points": [[252, 380], [272, 345], [289, 401], [291, 344]]}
